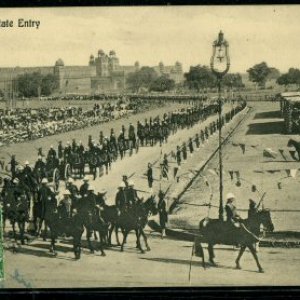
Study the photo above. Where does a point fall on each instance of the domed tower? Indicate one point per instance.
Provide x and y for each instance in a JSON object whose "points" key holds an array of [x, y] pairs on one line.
{"points": [[102, 64], [161, 67], [113, 61], [137, 66], [59, 63], [92, 60]]}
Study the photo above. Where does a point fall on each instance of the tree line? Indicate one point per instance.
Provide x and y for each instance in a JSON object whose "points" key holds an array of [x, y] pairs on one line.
{"points": [[199, 78]]}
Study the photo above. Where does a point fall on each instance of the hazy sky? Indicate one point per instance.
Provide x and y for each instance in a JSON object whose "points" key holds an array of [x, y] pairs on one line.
{"points": [[153, 34]]}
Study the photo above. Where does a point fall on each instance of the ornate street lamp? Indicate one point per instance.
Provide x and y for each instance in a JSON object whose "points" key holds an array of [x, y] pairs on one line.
{"points": [[220, 64]]}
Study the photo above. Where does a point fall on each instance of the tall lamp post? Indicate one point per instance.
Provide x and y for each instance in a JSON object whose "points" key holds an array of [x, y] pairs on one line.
{"points": [[220, 64]]}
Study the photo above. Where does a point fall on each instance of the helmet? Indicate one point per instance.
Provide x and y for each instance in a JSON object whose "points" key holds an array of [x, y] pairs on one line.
{"points": [[51, 146], [85, 178], [230, 196], [39, 157], [102, 191], [16, 180], [70, 180], [91, 188], [122, 184], [131, 183], [66, 192], [26, 163], [44, 180]]}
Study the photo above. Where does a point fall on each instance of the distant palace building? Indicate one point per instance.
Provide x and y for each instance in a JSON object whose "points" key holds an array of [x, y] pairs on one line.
{"points": [[102, 74]]}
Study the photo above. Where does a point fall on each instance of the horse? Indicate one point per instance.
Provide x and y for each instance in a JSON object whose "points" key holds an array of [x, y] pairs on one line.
{"points": [[16, 210], [72, 226], [215, 231], [296, 145], [136, 219]]}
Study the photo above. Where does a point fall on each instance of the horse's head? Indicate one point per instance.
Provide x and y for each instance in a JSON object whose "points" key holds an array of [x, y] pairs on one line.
{"points": [[265, 219], [150, 205]]}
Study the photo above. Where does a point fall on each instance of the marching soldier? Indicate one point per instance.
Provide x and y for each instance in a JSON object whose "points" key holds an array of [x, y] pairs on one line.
{"points": [[162, 211], [184, 151], [150, 175], [191, 146], [197, 140], [178, 156]]}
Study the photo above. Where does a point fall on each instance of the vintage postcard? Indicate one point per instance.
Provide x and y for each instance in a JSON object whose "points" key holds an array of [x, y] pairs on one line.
{"points": [[149, 146]]}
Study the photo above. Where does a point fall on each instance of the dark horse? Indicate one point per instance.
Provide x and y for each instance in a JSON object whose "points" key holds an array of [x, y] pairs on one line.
{"points": [[15, 209], [136, 218], [296, 145], [72, 226], [246, 235]]}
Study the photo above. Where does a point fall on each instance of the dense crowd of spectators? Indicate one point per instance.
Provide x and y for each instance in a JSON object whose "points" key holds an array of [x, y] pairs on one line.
{"points": [[17, 125]]}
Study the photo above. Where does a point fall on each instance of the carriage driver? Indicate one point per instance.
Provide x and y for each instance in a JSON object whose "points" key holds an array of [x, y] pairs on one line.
{"points": [[230, 209], [65, 206]]}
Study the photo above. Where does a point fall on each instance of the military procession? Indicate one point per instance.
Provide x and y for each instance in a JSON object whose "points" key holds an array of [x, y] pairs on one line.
{"points": [[34, 202]]}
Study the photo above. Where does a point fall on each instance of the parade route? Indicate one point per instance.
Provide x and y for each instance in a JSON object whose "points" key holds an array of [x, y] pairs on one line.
{"points": [[167, 264]]}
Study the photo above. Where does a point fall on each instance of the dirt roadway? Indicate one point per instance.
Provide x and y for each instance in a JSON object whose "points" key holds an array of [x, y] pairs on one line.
{"points": [[167, 264]]}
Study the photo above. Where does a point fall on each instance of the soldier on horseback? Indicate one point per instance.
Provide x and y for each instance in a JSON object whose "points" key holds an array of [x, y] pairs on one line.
{"points": [[84, 187], [231, 211], [51, 153], [120, 200]]}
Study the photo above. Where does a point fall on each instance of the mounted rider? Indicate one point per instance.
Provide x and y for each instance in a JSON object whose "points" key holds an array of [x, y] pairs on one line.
{"points": [[131, 195], [51, 154], [231, 211], [120, 200], [84, 187]]}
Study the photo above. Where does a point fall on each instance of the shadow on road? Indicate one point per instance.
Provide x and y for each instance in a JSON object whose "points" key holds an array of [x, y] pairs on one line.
{"points": [[273, 114], [276, 127], [195, 263]]}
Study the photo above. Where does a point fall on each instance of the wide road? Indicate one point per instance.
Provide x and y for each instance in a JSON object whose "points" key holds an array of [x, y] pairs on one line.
{"points": [[167, 264]]}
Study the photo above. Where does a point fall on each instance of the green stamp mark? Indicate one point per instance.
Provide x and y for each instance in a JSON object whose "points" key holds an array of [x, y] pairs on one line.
{"points": [[1, 247]]}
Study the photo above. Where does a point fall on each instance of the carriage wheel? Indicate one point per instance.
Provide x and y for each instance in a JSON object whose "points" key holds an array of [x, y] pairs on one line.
{"points": [[56, 179], [67, 171]]}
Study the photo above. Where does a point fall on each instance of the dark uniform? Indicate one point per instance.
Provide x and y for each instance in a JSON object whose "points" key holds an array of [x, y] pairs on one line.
{"points": [[150, 176], [162, 211], [120, 200]]}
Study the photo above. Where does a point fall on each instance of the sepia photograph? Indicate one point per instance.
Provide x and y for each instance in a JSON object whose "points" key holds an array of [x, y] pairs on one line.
{"points": [[149, 146]]}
